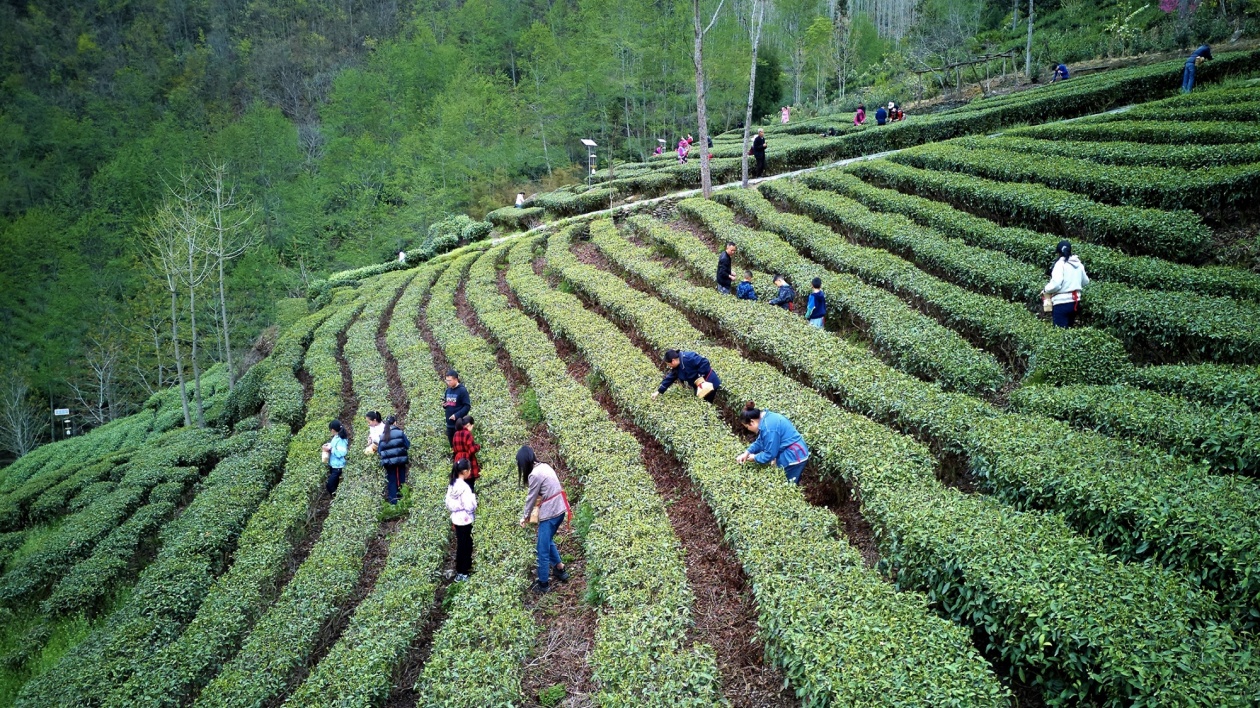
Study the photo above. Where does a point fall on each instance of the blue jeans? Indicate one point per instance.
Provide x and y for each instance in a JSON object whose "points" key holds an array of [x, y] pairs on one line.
{"points": [[793, 472], [548, 554], [1187, 77], [816, 322], [1064, 314]]}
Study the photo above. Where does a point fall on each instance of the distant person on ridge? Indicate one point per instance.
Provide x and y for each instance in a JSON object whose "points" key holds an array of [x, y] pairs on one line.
{"points": [[455, 404], [758, 152], [402, 256], [816, 310], [786, 294], [520, 200], [777, 444], [1067, 279], [724, 277], [881, 115], [684, 147], [393, 449], [691, 370], [1060, 73], [860, 116], [1200, 55], [745, 289]]}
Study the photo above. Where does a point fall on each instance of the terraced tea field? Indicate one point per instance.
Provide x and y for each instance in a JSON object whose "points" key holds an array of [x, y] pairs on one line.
{"points": [[996, 511]]}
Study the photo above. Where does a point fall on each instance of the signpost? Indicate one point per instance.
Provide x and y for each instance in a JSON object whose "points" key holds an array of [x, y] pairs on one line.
{"points": [[590, 158]]}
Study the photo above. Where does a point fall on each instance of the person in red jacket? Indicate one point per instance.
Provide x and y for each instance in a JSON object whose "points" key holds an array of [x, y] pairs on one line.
{"points": [[465, 448]]}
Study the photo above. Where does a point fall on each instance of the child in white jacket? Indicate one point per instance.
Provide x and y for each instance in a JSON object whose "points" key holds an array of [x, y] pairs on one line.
{"points": [[1067, 280], [462, 504]]}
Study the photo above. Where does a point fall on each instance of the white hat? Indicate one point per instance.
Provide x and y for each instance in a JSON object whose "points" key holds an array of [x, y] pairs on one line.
{"points": [[891, 104]]}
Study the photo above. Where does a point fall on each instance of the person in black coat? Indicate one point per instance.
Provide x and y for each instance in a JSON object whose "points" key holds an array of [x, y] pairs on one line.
{"points": [[455, 404], [759, 152], [725, 279], [392, 450]]}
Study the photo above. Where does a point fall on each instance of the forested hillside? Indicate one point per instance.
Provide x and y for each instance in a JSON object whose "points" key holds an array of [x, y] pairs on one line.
{"points": [[348, 129]]}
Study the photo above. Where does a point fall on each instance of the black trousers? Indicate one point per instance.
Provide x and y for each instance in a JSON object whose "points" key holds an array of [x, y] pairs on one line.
{"points": [[463, 549], [334, 479], [761, 164], [450, 434]]}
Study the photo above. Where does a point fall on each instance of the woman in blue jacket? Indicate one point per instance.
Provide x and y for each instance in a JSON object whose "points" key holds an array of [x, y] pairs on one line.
{"points": [[688, 368], [777, 442], [392, 450]]}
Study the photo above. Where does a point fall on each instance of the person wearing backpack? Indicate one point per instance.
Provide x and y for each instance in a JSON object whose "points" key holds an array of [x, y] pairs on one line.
{"points": [[691, 370], [816, 310], [1067, 280], [455, 403], [547, 505], [462, 503], [335, 451], [778, 442], [465, 448], [392, 450], [786, 295]]}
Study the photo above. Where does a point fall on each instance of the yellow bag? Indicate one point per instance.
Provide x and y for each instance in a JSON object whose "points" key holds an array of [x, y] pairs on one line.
{"points": [[370, 449], [703, 388]]}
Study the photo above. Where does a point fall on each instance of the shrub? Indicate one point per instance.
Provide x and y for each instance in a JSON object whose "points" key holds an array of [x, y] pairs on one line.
{"points": [[1215, 384], [1128, 153], [1179, 235], [1146, 131], [1226, 438], [1031, 247], [512, 219]]}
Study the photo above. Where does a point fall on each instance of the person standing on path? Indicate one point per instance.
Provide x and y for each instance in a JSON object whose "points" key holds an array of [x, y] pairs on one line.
{"points": [[725, 279], [1200, 55], [455, 404], [546, 499], [758, 152], [785, 114], [336, 450], [816, 310], [465, 448], [1067, 279], [392, 450], [691, 370], [778, 442], [462, 503]]}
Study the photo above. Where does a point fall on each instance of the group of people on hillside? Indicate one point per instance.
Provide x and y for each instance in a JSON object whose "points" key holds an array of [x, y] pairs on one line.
{"points": [[883, 116]]}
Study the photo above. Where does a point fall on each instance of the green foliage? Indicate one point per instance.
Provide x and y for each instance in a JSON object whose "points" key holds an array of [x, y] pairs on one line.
{"points": [[1227, 438], [1211, 383], [1146, 131], [552, 695], [528, 408], [1205, 189], [1128, 153], [512, 219], [820, 598]]}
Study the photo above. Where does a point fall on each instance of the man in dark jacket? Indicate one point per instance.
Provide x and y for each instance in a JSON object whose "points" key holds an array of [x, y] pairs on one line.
{"points": [[759, 152], [786, 295], [881, 115], [724, 277], [455, 404], [392, 450], [688, 368]]}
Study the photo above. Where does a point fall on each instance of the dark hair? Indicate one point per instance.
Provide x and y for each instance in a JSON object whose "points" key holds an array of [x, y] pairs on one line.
{"points": [[461, 422], [779, 276], [389, 423], [525, 462], [373, 416], [730, 243], [453, 374], [1064, 249], [750, 413], [816, 282], [672, 354], [748, 274], [460, 465], [340, 429], [862, 106]]}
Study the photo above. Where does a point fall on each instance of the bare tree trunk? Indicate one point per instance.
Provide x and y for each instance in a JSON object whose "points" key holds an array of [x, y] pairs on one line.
{"points": [[702, 113], [1014, 15], [179, 359], [758, 12], [1028, 46], [192, 311], [227, 337], [19, 429]]}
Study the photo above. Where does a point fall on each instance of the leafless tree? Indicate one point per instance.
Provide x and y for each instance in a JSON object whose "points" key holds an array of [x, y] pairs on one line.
{"points": [[702, 112], [758, 14], [163, 243], [230, 237], [20, 425], [98, 396]]}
